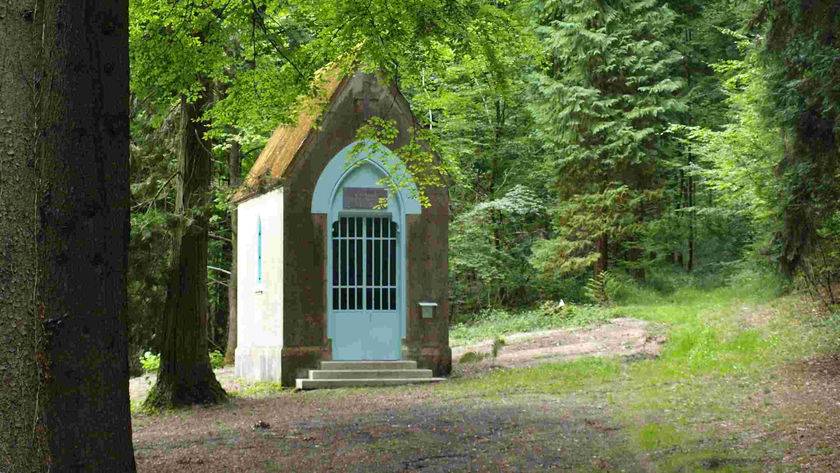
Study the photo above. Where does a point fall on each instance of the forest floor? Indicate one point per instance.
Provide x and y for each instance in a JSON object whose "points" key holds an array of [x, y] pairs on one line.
{"points": [[744, 382], [624, 337]]}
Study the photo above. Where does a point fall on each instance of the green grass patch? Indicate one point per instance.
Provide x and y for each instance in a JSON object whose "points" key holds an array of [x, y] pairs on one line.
{"points": [[493, 323], [658, 436], [831, 327], [136, 406], [554, 378], [259, 389]]}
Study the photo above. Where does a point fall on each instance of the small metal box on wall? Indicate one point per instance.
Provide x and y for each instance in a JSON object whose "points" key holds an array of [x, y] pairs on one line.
{"points": [[428, 309]]}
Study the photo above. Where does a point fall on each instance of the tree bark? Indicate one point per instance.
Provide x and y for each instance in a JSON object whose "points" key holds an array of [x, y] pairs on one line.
{"points": [[64, 208], [602, 245], [185, 376], [235, 172]]}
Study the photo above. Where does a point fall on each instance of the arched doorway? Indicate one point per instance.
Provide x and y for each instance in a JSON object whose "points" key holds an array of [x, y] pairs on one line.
{"points": [[365, 259]]}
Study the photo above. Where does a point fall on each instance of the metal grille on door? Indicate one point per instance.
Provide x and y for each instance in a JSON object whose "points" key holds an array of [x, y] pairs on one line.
{"points": [[364, 268]]}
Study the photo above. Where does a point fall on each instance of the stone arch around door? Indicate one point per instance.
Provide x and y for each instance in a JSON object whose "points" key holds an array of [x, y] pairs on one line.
{"points": [[366, 252]]}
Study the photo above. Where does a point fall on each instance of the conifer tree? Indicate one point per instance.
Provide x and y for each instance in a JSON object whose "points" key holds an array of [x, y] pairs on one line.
{"points": [[606, 95]]}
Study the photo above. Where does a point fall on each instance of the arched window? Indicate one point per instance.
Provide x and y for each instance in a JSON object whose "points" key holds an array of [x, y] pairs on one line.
{"points": [[259, 251]]}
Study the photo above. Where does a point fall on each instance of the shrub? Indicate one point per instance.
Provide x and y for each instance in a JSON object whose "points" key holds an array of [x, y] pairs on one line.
{"points": [[497, 347], [150, 362], [554, 309], [596, 289], [217, 359], [489, 249], [471, 357]]}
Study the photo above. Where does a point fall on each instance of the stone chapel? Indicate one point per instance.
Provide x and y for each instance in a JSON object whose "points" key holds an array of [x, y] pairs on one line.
{"points": [[334, 288]]}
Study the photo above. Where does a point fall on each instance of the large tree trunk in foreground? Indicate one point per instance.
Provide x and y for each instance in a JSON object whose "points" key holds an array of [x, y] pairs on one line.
{"points": [[235, 171], [185, 376], [801, 35], [64, 201]]}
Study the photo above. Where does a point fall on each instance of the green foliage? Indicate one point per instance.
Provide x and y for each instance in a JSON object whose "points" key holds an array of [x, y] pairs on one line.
{"points": [[800, 56], [471, 357], [580, 221], [489, 249], [740, 160], [400, 38], [217, 359], [596, 289], [153, 172], [180, 48], [475, 102], [554, 309], [605, 99], [417, 171], [607, 90], [150, 362]]}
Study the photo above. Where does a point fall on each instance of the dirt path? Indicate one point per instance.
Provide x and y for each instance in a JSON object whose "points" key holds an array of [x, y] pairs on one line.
{"points": [[808, 397], [408, 429]]}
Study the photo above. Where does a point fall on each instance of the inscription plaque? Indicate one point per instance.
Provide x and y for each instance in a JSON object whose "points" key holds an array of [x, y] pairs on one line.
{"points": [[364, 198]]}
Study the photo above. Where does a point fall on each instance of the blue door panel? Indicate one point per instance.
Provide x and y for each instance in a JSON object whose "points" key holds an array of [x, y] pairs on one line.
{"points": [[364, 293]]}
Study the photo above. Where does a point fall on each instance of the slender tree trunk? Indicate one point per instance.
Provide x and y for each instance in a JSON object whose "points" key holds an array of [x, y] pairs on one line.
{"points": [[691, 218], [677, 256], [235, 171], [64, 228], [602, 245], [185, 376]]}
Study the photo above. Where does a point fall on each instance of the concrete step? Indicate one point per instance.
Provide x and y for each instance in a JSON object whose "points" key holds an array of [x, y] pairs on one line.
{"points": [[371, 374], [352, 383], [369, 365]]}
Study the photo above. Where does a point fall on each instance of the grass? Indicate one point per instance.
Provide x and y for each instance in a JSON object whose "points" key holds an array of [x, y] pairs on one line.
{"points": [[259, 389], [686, 409], [495, 323]]}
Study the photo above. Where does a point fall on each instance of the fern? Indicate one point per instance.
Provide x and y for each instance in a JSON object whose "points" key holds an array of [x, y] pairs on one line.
{"points": [[596, 288]]}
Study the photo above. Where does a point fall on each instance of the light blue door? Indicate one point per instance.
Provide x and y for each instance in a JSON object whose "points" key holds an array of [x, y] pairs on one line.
{"points": [[364, 292]]}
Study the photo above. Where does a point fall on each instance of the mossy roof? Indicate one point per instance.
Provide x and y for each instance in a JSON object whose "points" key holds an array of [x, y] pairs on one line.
{"points": [[287, 140]]}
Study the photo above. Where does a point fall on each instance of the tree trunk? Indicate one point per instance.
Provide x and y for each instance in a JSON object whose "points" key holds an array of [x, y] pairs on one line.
{"points": [[235, 171], [815, 145], [677, 255], [691, 218], [64, 208], [185, 376], [602, 245]]}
